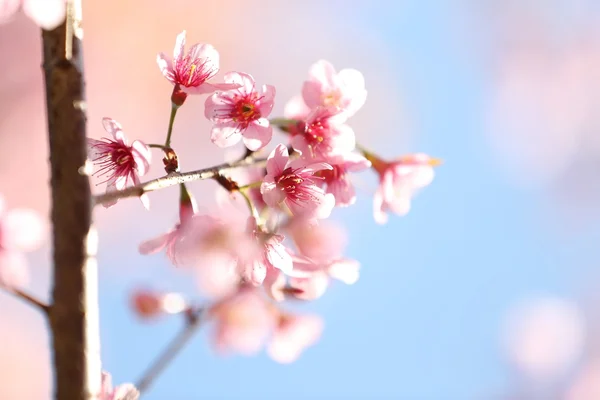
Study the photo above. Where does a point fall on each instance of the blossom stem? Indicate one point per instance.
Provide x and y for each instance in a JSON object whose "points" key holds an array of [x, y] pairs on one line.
{"points": [[26, 297], [283, 122], [376, 162], [251, 207], [251, 185], [157, 146], [175, 178], [193, 321], [174, 109]]}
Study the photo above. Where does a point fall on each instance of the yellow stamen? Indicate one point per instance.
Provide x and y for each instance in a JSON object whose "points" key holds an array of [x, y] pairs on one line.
{"points": [[435, 162], [192, 69]]}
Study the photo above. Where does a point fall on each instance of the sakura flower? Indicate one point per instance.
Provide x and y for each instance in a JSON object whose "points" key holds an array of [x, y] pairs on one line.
{"points": [[293, 334], [190, 72], [400, 180], [120, 162], [126, 391], [325, 87], [171, 239], [338, 180], [244, 321], [216, 246], [272, 255], [241, 113], [309, 279], [48, 14], [150, 304], [21, 230], [320, 241], [324, 134], [293, 185]]}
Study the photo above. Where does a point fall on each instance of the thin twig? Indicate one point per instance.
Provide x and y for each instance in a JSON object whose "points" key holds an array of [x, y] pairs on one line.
{"points": [[192, 323], [175, 179], [18, 293]]}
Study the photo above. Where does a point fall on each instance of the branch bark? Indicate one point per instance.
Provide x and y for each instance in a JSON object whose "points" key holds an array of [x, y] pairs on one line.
{"points": [[175, 179], [74, 310]]}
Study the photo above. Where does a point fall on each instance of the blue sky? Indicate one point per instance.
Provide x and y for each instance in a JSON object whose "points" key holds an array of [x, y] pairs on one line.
{"points": [[424, 320]]}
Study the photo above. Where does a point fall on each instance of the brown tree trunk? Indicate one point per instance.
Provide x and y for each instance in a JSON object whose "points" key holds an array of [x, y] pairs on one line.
{"points": [[74, 308]]}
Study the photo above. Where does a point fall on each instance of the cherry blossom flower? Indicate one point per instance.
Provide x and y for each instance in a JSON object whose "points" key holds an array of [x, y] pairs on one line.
{"points": [[190, 72], [21, 230], [309, 279], [293, 334], [47, 14], [150, 304], [121, 163], [241, 113], [293, 185], [125, 391], [216, 246], [400, 180], [272, 255], [171, 239], [325, 87], [338, 180], [324, 134], [243, 320], [320, 241]]}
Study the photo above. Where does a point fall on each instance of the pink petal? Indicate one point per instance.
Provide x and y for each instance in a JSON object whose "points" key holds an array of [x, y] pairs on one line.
{"points": [[379, 213], [142, 156], [155, 245], [292, 338], [254, 272], [343, 191], [310, 288], [96, 148], [271, 193], [209, 56], [13, 269], [126, 391], [311, 93], [279, 258], [300, 144], [226, 134], [267, 101], [323, 71], [326, 205], [22, 230], [277, 160], [353, 84], [310, 168], [165, 66], [48, 14], [114, 128], [343, 139], [209, 88], [354, 162], [179, 49], [344, 270], [216, 106], [245, 81], [296, 108], [7, 9], [274, 284], [258, 134]]}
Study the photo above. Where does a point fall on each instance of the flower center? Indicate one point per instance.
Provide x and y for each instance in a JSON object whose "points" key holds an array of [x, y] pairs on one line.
{"points": [[316, 132], [289, 181], [331, 98], [330, 175], [245, 110]]}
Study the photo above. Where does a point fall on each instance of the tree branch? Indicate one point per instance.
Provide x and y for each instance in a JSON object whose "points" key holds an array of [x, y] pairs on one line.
{"points": [[26, 297], [192, 323], [74, 311], [175, 179]]}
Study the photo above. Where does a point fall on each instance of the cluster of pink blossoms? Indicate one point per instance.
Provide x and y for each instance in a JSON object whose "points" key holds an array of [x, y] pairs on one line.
{"points": [[283, 249]]}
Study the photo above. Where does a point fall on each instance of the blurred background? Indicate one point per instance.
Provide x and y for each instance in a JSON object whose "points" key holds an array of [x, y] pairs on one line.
{"points": [[486, 290]]}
